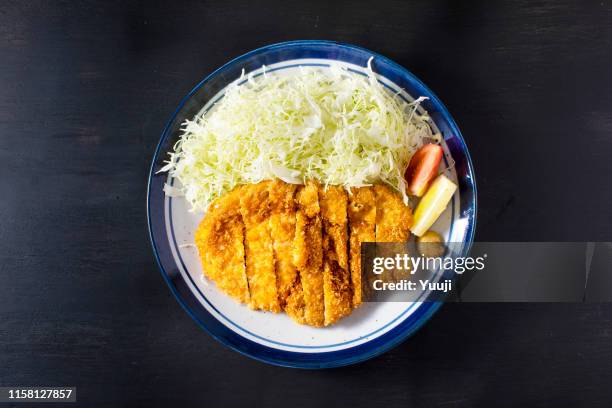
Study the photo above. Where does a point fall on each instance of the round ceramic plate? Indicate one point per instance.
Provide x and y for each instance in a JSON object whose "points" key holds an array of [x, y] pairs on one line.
{"points": [[372, 328]]}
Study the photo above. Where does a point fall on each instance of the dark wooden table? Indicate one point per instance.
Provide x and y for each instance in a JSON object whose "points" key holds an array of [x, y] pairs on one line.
{"points": [[85, 89]]}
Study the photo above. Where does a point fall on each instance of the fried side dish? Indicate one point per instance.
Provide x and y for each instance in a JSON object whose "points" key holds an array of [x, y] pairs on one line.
{"points": [[282, 247], [393, 217], [393, 222], [282, 229], [336, 277], [362, 219], [220, 238], [308, 252], [255, 207]]}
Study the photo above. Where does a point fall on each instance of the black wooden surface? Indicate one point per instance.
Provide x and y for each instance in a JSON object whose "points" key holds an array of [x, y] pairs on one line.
{"points": [[85, 89]]}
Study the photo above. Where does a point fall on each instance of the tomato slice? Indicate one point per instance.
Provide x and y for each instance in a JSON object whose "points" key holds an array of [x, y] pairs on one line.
{"points": [[422, 168]]}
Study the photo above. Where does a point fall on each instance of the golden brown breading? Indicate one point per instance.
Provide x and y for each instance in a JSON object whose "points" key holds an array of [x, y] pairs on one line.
{"points": [[259, 248], [308, 252], [337, 290], [219, 239], [393, 217], [277, 246], [393, 222], [362, 221], [282, 229]]}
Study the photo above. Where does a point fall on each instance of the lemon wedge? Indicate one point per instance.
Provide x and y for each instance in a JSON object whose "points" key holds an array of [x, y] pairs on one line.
{"points": [[432, 204]]}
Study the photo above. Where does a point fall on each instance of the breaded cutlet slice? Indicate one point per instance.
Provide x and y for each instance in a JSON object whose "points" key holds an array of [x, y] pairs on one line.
{"points": [[219, 239], [282, 229], [393, 217], [393, 222], [337, 292], [308, 252], [259, 247], [362, 223]]}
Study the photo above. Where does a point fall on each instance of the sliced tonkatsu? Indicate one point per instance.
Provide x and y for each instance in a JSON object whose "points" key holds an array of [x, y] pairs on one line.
{"points": [[255, 206], [393, 217], [308, 252], [297, 248], [337, 288], [393, 222], [282, 229], [220, 238], [362, 222]]}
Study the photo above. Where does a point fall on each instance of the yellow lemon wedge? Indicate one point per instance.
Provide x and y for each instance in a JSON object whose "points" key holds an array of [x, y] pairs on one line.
{"points": [[432, 204]]}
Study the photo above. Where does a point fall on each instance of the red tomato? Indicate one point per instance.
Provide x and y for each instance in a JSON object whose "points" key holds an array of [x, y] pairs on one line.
{"points": [[423, 168]]}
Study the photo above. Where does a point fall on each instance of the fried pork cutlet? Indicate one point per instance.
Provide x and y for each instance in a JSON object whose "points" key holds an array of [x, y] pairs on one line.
{"points": [[393, 222], [259, 248], [282, 229], [308, 253], [277, 246], [219, 239], [362, 221], [337, 292], [393, 217]]}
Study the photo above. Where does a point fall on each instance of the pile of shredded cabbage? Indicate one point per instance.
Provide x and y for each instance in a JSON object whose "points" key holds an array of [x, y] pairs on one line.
{"points": [[332, 125]]}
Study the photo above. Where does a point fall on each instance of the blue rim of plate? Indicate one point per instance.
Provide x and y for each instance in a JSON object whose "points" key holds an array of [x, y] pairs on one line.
{"points": [[157, 230]]}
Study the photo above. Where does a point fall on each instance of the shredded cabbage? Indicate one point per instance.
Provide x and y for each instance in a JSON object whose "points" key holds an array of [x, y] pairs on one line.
{"points": [[332, 125]]}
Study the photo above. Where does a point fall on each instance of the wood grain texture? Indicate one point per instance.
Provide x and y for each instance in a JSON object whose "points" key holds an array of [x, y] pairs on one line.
{"points": [[85, 90]]}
